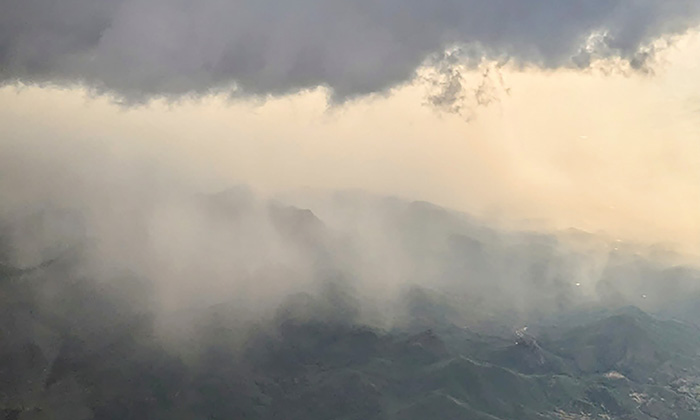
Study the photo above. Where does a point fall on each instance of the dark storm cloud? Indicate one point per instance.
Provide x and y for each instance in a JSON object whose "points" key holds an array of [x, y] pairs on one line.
{"points": [[139, 49]]}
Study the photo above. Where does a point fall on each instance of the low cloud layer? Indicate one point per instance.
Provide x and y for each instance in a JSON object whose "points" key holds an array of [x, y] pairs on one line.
{"points": [[138, 49], [117, 221]]}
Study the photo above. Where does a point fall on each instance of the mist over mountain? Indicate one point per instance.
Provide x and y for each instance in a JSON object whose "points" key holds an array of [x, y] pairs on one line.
{"points": [[231, 305], [349, 210]]}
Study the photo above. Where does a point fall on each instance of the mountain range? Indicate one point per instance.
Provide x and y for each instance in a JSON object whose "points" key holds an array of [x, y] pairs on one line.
{"points": [[361, 308]]}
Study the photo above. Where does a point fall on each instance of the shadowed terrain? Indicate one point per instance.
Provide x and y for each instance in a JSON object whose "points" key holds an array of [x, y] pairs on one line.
{"points": [[486, 324]]}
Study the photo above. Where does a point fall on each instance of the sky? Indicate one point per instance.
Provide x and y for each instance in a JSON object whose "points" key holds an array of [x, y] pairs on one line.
{"points": [[536, 113]]}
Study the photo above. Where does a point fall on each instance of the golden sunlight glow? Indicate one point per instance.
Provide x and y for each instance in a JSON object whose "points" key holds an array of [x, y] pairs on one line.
{"points": [[614, 153]]}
